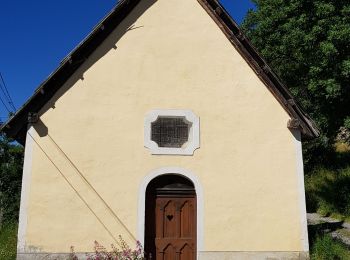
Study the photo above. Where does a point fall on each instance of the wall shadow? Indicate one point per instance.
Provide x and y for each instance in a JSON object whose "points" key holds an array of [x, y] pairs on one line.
{"points": [[41, 128], [296, 134]]}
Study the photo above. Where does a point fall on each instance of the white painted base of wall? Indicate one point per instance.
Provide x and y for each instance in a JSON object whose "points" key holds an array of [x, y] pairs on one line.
{"points": [[253, 255], [201, 256]]}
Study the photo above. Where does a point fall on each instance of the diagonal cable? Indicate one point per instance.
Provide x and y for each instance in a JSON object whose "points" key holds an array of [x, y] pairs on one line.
{"points": [[6, 93], [93, 188], [75, 190]]}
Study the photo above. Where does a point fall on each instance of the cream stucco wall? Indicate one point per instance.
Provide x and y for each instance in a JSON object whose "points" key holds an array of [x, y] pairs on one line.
{"points": [[88, 155]]}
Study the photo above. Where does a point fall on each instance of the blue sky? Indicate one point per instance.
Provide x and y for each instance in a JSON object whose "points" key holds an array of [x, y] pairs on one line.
{"points": [[37, 35]]}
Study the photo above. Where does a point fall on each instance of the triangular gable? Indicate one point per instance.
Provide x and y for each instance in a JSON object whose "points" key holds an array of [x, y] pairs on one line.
{"points": [[16, 126]]}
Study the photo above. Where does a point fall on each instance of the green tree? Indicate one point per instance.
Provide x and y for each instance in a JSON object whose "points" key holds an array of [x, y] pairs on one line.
{"points": [[307, 43], [11, 161]]}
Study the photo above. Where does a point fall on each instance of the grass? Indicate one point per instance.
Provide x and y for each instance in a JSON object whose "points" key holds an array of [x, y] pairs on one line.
{"points": [[8, 241], [325, 248], [328, 192]]}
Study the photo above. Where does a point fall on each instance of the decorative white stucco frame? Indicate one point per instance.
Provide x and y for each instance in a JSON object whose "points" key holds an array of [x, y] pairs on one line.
{"points": [[191, 145], [200, 202]]}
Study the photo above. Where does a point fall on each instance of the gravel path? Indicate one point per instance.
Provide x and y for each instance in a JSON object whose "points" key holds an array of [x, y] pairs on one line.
{"points": [[337, 229]]}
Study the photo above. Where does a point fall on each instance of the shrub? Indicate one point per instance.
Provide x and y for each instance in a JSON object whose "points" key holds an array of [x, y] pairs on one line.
{"points": [[124, 253], [11, 161]]}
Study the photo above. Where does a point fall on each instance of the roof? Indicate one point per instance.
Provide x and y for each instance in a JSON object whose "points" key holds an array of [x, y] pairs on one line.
{"points": [[16, 126]]}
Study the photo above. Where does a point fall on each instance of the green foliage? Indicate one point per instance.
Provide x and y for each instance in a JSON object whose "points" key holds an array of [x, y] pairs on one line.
{"points": [[11, 161], [8, 241], [325, 248], [328, 191], [347, 122], [307, 43]]}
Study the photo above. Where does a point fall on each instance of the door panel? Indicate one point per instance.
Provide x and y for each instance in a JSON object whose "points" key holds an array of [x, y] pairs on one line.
{"points": [[169, 253], [186, 218], [169, 220], [186, 253], [175, 227]]}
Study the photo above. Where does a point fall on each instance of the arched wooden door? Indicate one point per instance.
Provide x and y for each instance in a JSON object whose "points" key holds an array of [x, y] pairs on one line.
{"points": [[171, 219]]}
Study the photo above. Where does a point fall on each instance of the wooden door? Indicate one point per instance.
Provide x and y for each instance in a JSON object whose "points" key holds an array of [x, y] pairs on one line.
{"points": [[175, 221]]}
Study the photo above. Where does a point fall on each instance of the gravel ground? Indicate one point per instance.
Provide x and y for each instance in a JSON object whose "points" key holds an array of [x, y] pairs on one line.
{"points": [[342, 229]]}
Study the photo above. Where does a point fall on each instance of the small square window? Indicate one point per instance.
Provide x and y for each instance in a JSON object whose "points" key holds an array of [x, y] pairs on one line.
{"points": [[172, 132]]}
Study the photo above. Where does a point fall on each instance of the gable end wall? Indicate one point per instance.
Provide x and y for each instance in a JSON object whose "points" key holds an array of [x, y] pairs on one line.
{"points": [[88, 155]]}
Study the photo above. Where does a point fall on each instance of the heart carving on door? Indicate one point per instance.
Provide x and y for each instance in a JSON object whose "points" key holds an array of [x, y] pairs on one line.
{"points": [[170, 217]]}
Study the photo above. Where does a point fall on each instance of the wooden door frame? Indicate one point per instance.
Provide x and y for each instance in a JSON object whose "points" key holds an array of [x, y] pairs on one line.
{"points": [[200, 201]]}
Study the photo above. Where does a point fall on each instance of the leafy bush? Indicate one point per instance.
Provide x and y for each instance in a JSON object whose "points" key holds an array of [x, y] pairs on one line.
{"points": [[124, 253], [328, 191], [325, 248], [8, 241], [11, 161]]}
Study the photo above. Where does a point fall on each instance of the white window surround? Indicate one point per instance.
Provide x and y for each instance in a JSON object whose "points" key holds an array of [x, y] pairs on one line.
{"points": [[193, 138]]}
